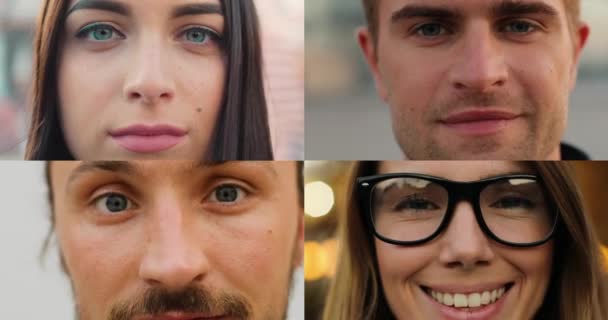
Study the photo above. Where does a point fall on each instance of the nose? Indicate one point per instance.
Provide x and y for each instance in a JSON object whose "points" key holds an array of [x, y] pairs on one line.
{"points": [[174, 257], [464, 245], [149, 79], [480, 65]]}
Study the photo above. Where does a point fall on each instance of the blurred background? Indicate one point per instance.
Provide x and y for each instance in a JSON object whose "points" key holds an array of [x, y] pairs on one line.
{"points": [[325, 188], [339, 87], [283, 43]]}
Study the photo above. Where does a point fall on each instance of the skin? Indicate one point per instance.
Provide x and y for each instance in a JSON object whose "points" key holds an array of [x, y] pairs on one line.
{"points": [[523, 64], [153, 69], [462, 255], [176, 233]]}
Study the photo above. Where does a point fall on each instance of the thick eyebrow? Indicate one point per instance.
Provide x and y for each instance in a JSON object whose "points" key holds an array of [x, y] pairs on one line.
{"points": [[519, 8], [196, 9], [425, 11], [108, 166], [105, 5]]}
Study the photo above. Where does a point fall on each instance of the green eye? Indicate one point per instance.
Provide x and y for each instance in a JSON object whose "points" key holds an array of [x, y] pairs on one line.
{"points": [[199, 35], [99, 33]]}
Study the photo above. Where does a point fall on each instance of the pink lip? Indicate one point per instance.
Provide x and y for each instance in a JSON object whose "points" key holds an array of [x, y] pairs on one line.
{"points": [[486, 312], [479, 122], [148, 139]]}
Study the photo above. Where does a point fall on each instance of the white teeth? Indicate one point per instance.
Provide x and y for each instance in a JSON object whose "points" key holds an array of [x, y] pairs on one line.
{"points": [[471, 300], [485, 298], [474, 300]]}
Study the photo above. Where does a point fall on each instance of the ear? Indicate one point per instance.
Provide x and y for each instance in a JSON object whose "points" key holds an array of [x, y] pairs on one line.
{"points": [[580, 39], [368, 45]]}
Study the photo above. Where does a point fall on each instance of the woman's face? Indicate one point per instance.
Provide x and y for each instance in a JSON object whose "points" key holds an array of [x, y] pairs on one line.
{"points": [[141, 79], [463, 263]]}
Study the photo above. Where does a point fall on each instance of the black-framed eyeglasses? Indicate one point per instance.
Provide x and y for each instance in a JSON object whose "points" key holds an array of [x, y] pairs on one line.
{"points": [[411, 209]]}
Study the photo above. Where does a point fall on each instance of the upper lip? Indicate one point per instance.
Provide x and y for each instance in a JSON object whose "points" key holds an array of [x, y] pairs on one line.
{"points": [[148, 130], [447, 288], [178, 316], [478, 115]]}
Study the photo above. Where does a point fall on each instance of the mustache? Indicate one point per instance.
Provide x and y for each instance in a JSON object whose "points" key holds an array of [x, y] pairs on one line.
{"points": [[195, 300]]}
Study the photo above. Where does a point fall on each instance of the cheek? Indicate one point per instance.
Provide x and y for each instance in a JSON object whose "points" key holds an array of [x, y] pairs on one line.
{"points": [[260, 250], [100, 264], [399, 264], [412, 77]]}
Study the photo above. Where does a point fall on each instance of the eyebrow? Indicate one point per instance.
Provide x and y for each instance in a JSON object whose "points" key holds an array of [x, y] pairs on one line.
{"points": [[518, 8], [265, 165], [105, 5], [196, 9], [108, 166], [425, 11], [504, 8]]}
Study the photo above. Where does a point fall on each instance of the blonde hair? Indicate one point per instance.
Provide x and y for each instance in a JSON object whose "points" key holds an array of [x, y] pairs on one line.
{"points": [[577, 288]]}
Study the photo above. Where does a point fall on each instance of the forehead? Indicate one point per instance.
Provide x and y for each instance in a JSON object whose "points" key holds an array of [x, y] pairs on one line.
{"points": [[387, 8], [175, 8], [456, 170]]}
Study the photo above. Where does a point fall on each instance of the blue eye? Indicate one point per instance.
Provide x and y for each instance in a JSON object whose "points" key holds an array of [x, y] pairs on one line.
{"points": [[519, 27], [430, 30], [99, 33], [227, 194], [113, 203], [199, 35]]}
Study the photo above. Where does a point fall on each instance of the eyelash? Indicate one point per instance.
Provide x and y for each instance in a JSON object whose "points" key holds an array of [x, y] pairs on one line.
{"points": [[85, 33], [447, 29]]}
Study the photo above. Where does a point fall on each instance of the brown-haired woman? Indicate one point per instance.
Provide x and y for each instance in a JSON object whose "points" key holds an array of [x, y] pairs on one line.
{"points": [[466, 240], [155, 79]]}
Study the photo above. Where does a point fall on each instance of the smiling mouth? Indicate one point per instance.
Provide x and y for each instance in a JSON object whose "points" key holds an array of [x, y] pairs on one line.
{"points": [[469, 301]]}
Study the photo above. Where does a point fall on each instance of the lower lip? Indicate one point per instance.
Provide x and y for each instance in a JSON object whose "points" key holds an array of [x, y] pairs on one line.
{"points": [[486, 312], [479, 128], [148, 144]]}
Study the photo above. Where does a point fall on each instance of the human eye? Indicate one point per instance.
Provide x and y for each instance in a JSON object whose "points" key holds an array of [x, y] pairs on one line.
{"points": [[415, 203], [99, 32], [113, 203], [430, 30], [513, 202], [199, 35], [227, 194], [519, 27]]}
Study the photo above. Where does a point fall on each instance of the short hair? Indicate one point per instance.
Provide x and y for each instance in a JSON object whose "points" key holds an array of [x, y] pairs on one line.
{"points": [[573, 11]]}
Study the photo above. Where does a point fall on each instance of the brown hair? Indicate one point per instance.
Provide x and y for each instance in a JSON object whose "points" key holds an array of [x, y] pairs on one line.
{"points": [[577, 288], [573, 12], [241, 131]]}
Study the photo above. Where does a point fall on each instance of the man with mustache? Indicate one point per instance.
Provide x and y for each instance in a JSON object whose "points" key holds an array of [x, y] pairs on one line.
{"points": [[178, 240], [476, 79]]}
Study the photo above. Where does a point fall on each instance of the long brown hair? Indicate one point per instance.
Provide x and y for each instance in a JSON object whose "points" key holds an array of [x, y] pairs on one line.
{"points": [[577, 288], [241, 132]]}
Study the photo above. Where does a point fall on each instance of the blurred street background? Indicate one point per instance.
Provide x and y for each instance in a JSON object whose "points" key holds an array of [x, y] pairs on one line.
{"points": [[345, 120], [283, 43]]}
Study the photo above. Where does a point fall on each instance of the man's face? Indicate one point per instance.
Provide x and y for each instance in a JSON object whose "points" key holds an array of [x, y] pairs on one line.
{"points": [[476, 79], [178, 240]]}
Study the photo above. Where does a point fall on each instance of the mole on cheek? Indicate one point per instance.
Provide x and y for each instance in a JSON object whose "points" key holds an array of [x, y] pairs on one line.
{"points": [[199, 109]]}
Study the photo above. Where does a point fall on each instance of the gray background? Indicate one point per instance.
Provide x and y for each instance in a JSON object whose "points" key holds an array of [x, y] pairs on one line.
{"points": [[34, 290]]}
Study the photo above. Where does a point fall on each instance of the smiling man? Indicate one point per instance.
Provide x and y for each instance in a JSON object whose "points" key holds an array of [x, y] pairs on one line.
{"points": [[476, 79], [178, 240]]}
